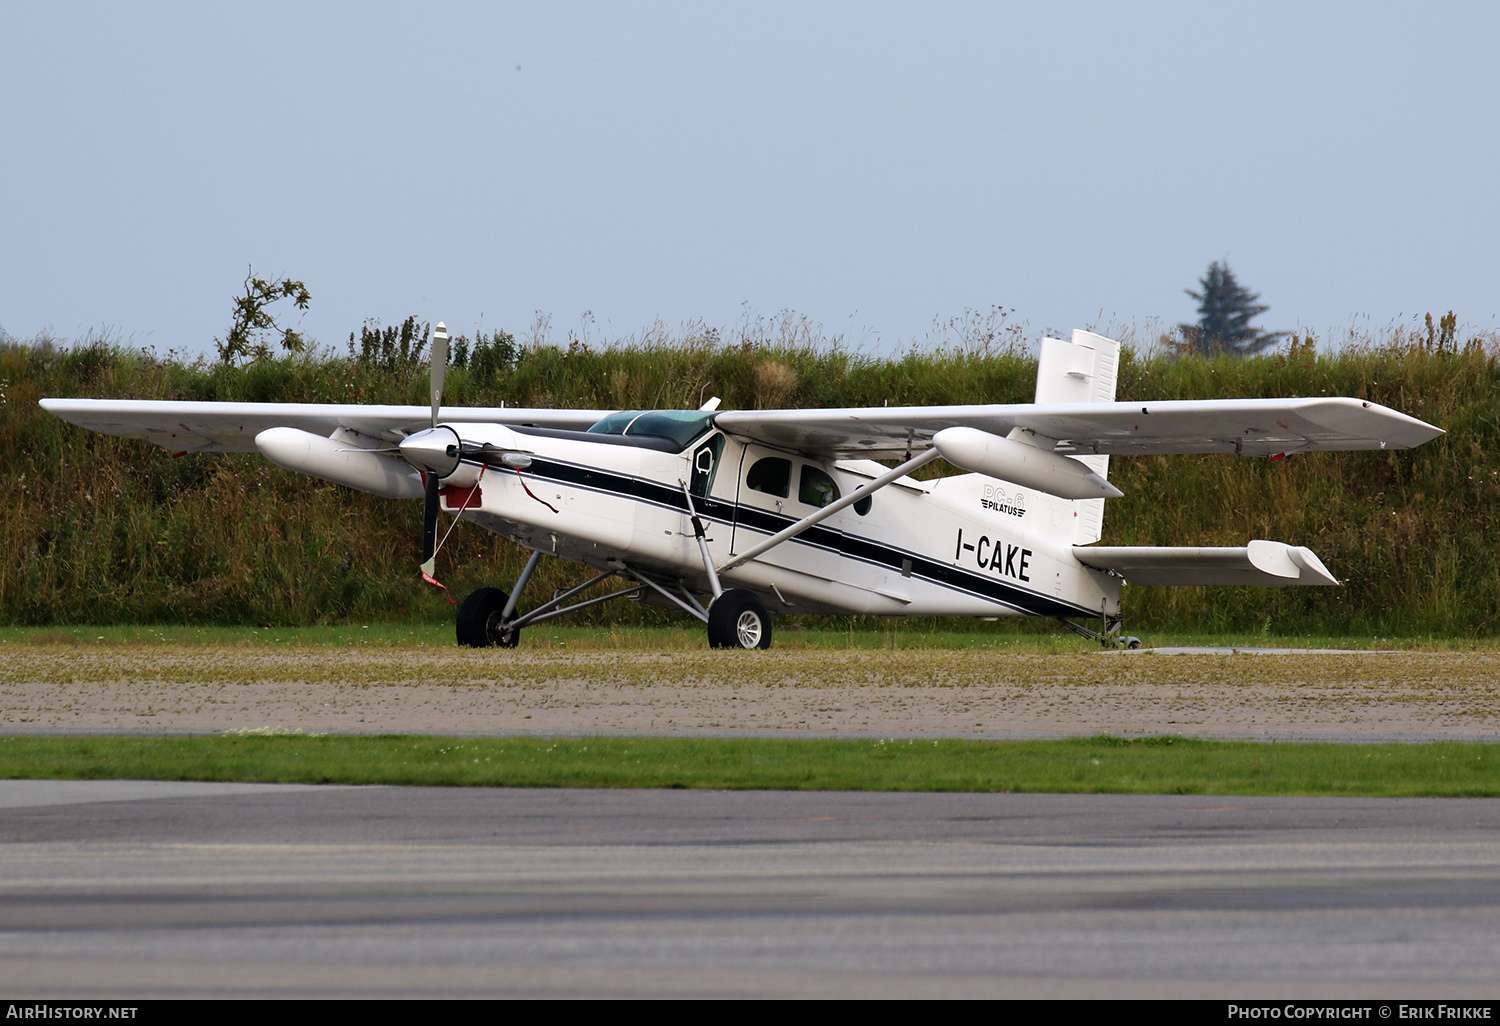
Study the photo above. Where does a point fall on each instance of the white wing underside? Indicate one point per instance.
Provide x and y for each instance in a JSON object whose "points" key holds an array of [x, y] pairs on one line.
{"points": [[232, 427], [1251, 427]]}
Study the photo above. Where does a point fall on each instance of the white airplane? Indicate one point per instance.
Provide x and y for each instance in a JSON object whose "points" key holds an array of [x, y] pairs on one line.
{"points": [[733, 516]]}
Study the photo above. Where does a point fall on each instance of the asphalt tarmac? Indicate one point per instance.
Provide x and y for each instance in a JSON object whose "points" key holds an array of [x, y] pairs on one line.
{"points": [[124, 890]]}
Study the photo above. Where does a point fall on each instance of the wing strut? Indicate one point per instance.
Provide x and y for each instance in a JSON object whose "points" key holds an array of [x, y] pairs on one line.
{"points": [[701, 535], [827, 511]]}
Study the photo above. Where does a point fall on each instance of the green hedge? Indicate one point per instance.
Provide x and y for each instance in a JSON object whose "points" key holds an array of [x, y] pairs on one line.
{"points": [[104, 530]]}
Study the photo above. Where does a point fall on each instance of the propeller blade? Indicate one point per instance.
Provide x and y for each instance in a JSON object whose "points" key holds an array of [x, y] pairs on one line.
{"points": [[429, 525], [439, 365], [430, 497]]}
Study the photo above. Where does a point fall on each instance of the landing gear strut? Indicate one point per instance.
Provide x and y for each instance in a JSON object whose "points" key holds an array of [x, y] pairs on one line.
{"points": [[1109, 637], [488, 617]]}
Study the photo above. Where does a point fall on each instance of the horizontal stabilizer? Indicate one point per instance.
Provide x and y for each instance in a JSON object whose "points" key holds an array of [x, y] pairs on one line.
{"points": [[1261, 563]]}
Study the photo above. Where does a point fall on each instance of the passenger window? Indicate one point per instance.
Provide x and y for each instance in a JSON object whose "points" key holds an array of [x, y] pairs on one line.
{"points": [[816, 487], [772, 475], [862, 506]]}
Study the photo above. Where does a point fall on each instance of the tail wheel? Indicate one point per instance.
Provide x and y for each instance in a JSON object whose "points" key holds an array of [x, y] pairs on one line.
{"points": [[739, 619], [479, 623]]}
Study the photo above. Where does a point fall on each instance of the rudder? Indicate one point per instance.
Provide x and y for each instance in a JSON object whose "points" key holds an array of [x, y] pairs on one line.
{"points": [[1084, 370]]}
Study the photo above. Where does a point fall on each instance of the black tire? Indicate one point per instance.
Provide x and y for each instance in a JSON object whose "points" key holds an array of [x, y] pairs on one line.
{"points": [[739, 619], [479, 623], [1132, 643]]}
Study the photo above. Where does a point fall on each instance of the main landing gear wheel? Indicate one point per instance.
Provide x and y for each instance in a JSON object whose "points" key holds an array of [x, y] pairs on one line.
{"points": [[479, 624], [1132, 643], [739, 619]]}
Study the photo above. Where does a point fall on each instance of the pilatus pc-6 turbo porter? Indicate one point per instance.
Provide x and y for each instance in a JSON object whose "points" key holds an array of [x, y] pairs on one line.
{"points": [[734, 516]]}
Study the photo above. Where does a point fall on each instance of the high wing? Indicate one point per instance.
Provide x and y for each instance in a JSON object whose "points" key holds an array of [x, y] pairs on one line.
{"points": [[1250, 427], [232, 427]]}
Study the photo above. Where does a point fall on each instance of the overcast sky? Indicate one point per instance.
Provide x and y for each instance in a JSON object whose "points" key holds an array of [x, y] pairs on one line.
{"points": [[870, 165]]}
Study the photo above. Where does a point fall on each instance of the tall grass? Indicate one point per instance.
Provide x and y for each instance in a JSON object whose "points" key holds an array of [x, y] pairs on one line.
{"points": [[102, 530]]}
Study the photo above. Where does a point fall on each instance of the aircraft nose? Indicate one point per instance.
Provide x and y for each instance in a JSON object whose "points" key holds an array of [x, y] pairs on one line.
{"points": [[435, 449]]}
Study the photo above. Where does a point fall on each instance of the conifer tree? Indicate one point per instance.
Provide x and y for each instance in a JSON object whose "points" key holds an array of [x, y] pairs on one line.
{"points": [[1225, 310]]}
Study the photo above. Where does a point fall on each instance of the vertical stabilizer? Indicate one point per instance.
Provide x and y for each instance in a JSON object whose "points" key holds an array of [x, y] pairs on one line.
{"points": [[1081, 371]]}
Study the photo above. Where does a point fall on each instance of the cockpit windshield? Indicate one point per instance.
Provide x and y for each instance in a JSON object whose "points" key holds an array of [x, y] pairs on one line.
{"points": [[680, 426]]}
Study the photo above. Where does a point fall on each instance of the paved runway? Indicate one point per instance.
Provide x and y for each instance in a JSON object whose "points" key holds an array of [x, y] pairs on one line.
{"points": [[136, 889]]}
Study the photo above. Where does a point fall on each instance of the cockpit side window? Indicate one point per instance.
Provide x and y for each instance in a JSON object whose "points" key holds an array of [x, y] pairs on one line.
{"points": [[772, 475], [706, 464], [816, 488]]}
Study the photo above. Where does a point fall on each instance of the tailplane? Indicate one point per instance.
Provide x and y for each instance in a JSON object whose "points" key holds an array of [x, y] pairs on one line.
{"points": [[1261, 563]]}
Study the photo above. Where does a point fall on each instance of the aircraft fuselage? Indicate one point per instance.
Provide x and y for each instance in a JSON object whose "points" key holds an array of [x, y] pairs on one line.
{"points": [[958, 546]]}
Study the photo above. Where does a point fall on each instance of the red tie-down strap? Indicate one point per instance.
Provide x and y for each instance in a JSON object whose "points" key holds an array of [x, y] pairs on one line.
{"points": [[533, 494], [434, 581]]}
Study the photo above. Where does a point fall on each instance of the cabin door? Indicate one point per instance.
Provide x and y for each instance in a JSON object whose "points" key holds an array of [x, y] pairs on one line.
{"points": [[713, 492]]}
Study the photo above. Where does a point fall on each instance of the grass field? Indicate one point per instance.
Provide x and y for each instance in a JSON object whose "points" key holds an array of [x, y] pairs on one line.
{"points": [[1164, 765]]}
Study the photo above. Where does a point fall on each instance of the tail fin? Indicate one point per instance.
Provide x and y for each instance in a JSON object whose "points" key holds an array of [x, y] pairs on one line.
{"points": [[1081, 371]]}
